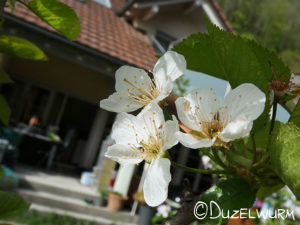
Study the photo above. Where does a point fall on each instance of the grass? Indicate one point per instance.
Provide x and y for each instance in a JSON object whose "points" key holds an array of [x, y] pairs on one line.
{"points": [[37, 218]]}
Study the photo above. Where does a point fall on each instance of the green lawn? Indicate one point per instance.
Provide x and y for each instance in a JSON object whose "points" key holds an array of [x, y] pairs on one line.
{"points": [[37, 218]]}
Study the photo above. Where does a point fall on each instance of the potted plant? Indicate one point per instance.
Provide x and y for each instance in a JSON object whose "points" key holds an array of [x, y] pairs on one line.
{"points": [[115, 201], [145, 212], [102, 200]]}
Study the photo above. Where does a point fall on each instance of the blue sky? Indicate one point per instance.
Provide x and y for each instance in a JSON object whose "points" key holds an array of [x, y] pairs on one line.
{"points": [[201, 80]]}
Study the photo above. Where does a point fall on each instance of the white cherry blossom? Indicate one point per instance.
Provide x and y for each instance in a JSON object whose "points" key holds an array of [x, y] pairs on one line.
{"points": [[146, 137], [135, 88], [209, 123]]}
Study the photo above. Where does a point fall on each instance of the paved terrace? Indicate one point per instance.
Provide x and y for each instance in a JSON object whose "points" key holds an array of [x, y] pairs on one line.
{"points": [[64, 195]]}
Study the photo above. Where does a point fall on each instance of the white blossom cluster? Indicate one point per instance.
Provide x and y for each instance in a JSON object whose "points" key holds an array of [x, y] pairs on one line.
{"points": [[147, 136]]}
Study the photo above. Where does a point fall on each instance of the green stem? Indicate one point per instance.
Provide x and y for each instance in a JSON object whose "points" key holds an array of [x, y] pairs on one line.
{"points": [[193, 170], [212, 158], [273, 116], [218, 159], [254, 148]]}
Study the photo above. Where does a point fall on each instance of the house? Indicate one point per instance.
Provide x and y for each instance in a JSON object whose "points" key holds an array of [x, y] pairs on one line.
{"points": [[64, 91]]}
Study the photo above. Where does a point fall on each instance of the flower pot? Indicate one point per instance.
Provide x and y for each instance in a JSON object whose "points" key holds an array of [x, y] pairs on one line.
{"points": [[145, 215], [115, 202]]}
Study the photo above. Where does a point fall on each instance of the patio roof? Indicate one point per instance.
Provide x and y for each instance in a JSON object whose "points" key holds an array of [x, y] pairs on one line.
{"points": [[103, 31]]}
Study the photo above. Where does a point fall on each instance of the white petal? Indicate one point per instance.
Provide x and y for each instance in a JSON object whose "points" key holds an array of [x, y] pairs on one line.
{"points": [[135, 77], [295, 79], [246, 102], [169, 130], [185, 113], [117, 103], [164, 87], [152, 117], [127, 129], [170, 64], [197, 106], [189, 141], [157, 181], [235, 130], [124, 154]]}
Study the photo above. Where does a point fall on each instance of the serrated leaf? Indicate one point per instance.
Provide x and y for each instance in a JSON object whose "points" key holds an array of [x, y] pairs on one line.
{"points": [[4, 77], [58, 15], [4, 111], [232, 194], [285, 155], [295, 117], [11, 204], [21, 48]]}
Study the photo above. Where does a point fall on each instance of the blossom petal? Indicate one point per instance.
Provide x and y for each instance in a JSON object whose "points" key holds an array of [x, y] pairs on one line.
{"points": [[235, 130], [171, 64], [197, 106], [169, 130], [164, 87], [157, 181], [124, 154], [295, 79], [152, 117], [135, 79], [189, 141], [127, 130], [246, 102], [117, 103], [185, 114]]}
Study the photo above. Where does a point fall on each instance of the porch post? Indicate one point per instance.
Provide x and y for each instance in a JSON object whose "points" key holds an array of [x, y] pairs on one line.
{"points": [[93, 143], [182, 158]]}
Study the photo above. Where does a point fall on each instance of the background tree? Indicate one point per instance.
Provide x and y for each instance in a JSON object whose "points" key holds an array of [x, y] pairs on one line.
{"points": [[273, 23]]}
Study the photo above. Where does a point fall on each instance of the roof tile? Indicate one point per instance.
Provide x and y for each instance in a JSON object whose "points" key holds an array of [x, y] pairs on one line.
{"points": [[102, 30]]}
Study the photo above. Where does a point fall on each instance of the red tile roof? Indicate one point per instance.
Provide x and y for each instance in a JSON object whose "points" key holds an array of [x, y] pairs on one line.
{"points": [[102, 30]]}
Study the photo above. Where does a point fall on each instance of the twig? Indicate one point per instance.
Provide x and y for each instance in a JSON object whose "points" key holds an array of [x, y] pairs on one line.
{"points": [[193, 170]]}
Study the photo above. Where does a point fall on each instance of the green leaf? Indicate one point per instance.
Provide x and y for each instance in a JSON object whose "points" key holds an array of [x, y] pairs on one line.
{"points": [[21, 48], [295, 117], [4, 77], [4, 111], [58, 15], [11, 204], [265, 191], [285, 155], [12, 5], [232, 194]]}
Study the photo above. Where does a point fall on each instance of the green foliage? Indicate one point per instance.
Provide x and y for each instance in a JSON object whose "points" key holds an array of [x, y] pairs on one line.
{"points": [[11, 204], [291, 57], [285, 157], [5, 111], [274, 23], [265, 191], [21, 48], [58, 15], [37, 218], [4, 78], [295, 117], [12, 5], [232, 194]]}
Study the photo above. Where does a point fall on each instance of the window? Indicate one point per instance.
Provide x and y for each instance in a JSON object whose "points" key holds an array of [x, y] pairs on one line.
{"points": [[161, 42], [105, 3]]}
